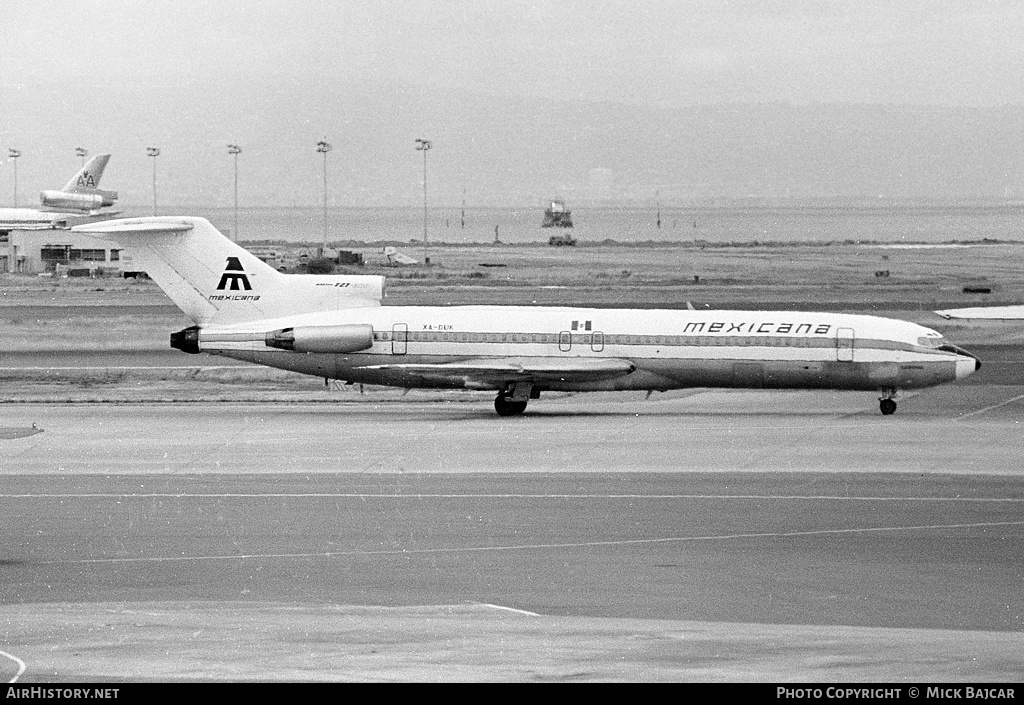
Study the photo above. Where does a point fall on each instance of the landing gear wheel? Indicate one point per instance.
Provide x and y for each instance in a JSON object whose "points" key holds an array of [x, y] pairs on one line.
{"points": [[888, 406], [507, 407]]}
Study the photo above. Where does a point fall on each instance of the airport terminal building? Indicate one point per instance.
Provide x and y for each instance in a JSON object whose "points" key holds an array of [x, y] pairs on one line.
{"points": [[53, 250]]}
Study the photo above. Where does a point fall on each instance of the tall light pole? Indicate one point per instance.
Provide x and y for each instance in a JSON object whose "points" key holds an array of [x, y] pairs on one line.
{"points": [[323, 147], [81, 152], [13, 155], [153, 152], [424, 146], [235, 150]]}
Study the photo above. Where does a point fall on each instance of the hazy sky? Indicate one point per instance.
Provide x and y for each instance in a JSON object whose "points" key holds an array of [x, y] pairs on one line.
{"points": [[231, 55], [966, 52]]}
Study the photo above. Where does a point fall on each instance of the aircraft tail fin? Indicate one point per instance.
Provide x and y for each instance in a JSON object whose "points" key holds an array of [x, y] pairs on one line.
{"points": [[217, 282], [87, 180]]}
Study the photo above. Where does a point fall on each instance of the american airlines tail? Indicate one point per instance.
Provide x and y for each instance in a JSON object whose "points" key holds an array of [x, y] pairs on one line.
{"points": [[82, 193], [217, 282], [87, 179]]}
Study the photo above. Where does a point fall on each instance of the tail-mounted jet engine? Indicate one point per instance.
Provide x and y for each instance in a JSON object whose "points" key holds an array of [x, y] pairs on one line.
{"points": [[77, 201], [322, 339], [186, 340]]}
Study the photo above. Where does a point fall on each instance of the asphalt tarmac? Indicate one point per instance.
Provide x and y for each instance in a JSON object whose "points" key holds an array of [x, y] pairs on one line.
{"points": [[702, 535]]}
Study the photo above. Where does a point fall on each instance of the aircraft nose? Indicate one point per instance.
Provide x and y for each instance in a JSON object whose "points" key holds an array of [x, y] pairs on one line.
{"points": [[967, 364]]}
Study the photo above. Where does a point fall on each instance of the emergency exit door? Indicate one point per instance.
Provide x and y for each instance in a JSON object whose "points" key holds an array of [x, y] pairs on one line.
{"points": [[844, 344], [399, 339]]}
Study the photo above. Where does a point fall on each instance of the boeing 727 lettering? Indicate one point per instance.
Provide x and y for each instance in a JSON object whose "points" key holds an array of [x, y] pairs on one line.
{"points": [[335, 326]]}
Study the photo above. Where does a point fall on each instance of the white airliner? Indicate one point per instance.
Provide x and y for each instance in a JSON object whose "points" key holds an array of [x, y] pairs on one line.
{"points": [[79, 200], [335, 327], [993, 313]]}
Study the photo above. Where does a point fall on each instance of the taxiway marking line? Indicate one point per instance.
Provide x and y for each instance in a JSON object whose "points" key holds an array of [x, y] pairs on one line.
{"points": [[21, 666], [523, 547], [989, 408], [364, 495], [114, 369], [506, 609]]}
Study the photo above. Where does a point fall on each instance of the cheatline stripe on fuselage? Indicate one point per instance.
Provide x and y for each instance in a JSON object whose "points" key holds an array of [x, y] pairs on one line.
{"points": [[609, 339], [547, 345]]}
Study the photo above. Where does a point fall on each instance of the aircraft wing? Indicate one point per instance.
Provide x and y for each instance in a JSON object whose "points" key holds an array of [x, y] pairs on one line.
{"points": [[995, 313], [497, 370]]}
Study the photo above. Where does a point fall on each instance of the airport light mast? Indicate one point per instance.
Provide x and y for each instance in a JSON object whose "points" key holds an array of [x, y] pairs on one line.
{"points": [[13, 155], [323, 147], [81, 152], [424, 146], [235, 150], [153, 152]]}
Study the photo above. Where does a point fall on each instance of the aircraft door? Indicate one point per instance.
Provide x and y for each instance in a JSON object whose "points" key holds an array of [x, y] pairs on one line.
{"points": [[399, 339], [565, 341], [844, 344], [597, 341]]}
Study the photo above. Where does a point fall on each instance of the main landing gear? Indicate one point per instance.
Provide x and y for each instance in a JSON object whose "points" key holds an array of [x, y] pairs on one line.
{"points": [[507, 407], [887, 402], [512, 399]]}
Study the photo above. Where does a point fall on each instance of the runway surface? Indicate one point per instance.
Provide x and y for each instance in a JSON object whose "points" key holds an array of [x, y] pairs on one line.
{"points": [[708, 535]]}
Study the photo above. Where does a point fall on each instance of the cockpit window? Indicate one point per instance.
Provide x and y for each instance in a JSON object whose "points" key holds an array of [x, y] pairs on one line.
{"points": [[927, 342]]}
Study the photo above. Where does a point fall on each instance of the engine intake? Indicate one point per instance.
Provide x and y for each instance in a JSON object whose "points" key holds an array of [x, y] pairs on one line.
{"points": [[322, 339]]}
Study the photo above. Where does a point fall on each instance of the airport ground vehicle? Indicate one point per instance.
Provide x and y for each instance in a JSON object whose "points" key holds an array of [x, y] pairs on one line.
{"points": [[561, 240]]}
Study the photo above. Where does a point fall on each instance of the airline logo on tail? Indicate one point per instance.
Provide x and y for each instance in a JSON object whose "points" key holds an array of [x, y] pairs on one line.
{"points": [[234, 278], [86, 180]]}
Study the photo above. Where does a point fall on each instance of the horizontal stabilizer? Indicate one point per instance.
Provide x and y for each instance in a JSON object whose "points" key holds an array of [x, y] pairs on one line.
{"points": [[992, 313], [129, 225]]}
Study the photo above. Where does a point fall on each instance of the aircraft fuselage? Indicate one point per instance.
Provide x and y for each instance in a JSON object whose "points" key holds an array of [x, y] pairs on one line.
{"points": [[666, 349]]}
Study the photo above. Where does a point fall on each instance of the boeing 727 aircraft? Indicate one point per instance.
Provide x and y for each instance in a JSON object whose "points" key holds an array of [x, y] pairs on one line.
{"points": [[80, 199], [335, 327]]}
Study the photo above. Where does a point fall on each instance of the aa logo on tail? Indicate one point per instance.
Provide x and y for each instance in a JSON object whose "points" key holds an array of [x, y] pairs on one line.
{"points": [[87, 180], [234, 278]]}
